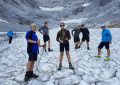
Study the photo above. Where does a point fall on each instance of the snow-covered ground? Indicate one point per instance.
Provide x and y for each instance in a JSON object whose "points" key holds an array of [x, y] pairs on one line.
{"points": [[88, 69], [81, 20], [1, 20], [57, 8], [86, 4]]}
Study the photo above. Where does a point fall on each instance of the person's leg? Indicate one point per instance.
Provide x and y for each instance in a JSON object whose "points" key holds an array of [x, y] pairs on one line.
{"points": [[76, 45], [87, 40], [49, 44], [44, 39], [88, 45], [108, 53], [10, 40], [80, 44], [68, 55], [83, 40], [60, 60], [99, 49], [32, 65], [29, 65], [61, 56], [28, 71]]}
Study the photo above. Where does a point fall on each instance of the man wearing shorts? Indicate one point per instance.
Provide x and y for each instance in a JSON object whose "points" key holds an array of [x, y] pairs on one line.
{"points": [[32, 49], [75, 34], [45, 31], [85, 37], [106, 41], [63, 37]]}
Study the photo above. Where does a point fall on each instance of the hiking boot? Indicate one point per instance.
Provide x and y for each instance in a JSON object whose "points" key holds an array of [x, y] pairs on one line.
{"points": [[50, 50], [34, 76], [107, 59], [71, 67], [27, 76], [98, 56], [88, 48], [60, 67]]}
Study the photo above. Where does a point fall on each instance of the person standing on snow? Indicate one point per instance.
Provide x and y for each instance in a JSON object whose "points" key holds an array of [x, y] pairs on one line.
{"points": [[63, 37], [75, 34], [106, 41], [10, 35], [32, 49], [85, 37], [45, 31]]}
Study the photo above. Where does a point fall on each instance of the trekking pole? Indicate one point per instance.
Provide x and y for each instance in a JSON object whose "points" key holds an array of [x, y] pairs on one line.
{"points": [[42, 51]]}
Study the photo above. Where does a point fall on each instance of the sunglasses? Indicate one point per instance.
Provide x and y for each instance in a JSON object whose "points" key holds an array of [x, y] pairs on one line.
{"points": [[62, 25]]}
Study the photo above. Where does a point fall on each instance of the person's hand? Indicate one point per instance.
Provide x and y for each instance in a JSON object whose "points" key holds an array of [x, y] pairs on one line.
{"points": [[61, 41], [38, 42], [66, 39], [44, 46]]}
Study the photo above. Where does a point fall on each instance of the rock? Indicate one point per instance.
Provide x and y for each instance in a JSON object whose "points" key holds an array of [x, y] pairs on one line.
{"points": [[44, 77], [84, 83], [62, 74], [89, 79], [46, 67], [79, 71], [71, 80], [35, 82], [107, 74]]}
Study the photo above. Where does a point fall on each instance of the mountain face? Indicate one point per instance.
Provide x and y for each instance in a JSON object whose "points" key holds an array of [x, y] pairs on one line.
{"points": [[24, 12]]}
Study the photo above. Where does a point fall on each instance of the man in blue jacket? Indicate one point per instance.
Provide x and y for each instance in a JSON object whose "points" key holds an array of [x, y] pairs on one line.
{"points": [[32, 49], [10, 35], [106, 41]]}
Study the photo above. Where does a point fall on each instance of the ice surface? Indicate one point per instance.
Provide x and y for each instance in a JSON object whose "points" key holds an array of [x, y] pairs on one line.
{"points": [[88, 69]]}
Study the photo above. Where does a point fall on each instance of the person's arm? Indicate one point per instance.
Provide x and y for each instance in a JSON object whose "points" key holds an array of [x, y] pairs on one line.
{"points": [[72, 32], [110, 36], [58, 36], [88, 32], [28, 38], [41, 30], [68, 35]]}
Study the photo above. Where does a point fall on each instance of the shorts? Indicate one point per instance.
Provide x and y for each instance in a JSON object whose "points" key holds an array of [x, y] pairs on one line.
{"points": [[46, 38], [76, 39], [86, 39], [64, 46], [32, 56], [102, 44]]}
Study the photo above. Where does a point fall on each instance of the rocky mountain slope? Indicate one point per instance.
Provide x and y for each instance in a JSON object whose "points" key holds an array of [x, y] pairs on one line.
{"points": [[23, 12]]}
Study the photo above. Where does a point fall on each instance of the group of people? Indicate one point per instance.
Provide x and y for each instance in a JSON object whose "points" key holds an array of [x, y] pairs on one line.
{"points": [[85, 32], [63, 37]]}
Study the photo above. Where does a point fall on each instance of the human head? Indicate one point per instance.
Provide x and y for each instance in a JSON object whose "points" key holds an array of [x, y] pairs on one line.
{"points": [[46, 23], [103, 26], [33, 27], [82, 26], [62, 25]]}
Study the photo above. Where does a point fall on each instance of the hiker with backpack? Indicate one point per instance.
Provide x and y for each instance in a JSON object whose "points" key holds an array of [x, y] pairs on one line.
{"points": [[86, 34], [45, 31], [63, 37], [106, 41], [10, 36], [75, 34], [32, 49]]}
